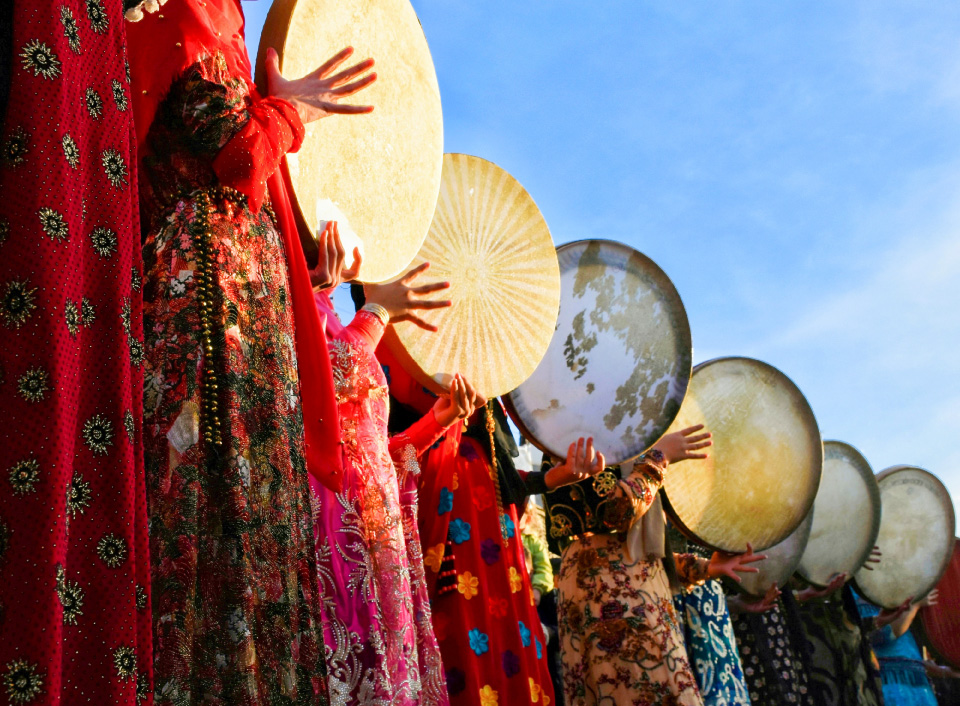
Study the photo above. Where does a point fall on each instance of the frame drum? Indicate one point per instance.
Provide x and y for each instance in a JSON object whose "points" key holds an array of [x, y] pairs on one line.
{"points": [[847, 516], [489, 240], [782, 560], [377, 175], [941, 623], [761, 477], [619, 361], [916, 537]]}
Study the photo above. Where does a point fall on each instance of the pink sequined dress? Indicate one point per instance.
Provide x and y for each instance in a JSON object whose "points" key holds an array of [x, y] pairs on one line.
{"points": [[380, 646]]}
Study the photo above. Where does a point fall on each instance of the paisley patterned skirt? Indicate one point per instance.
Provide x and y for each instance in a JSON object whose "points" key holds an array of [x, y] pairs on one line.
{"points": [[621, 638]]}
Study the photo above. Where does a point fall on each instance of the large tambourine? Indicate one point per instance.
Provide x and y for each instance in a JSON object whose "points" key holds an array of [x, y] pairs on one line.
{"points": [[761, 477], [916, 537], [377, 175], [847, 516], [619, 361], [490, 241], [781, 562], [940, 623]]}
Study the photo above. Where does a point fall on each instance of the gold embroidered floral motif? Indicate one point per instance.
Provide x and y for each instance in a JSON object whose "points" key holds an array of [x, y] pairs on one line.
{"points": [[70, 151], [79, 496], [125, 660], [71, 315], [94, 103], [41, 59], [604, 484], [18, 303], [70, 29], [143, 688], [125, 315], [53, 224], [126, 70], [112, 550], [24, 476], [98, 434], [97, 14], [104, 241], [140, 594], [34, 385], [128, 424], [560, 526], [16, 147], [4, 231], [115, 167], [23, 681], [135, 279], [137, 353], [87, 312], [71, 597], [119, 95]]}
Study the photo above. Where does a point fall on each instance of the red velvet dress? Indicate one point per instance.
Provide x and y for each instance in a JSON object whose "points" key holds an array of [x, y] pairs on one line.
{"points": [[493, 647], [74, 573]]}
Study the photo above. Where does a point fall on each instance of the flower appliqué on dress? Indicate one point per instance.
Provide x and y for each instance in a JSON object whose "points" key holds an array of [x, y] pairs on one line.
{"points": [[34, 385], [119, 95], [112, 550], [94, 103], [97, 14], [23, 681], [24, 476], [70, 151], [53, 224], [114, 167], [125, 661], [489, 696], [459, 531], [104, 241], [41, 59], [71, 597], [19, 301], [98, 434], [468, 585], [479, 642], [79, 496], [70, 29], [16, 147]]}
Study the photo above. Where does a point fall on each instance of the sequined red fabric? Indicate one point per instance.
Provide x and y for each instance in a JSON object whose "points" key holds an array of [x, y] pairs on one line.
{"points": [[74, 573]]}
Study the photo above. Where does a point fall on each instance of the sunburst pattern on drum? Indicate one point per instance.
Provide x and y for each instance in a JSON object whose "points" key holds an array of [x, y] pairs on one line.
{"points": [[847, 515], [916, 536], [619, 362], [761, 477], [379, 173], [490, 241]]}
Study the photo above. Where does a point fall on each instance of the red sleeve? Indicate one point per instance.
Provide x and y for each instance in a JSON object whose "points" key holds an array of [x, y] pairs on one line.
{"points": [[365, 330], [420, 435], [253, 154]]}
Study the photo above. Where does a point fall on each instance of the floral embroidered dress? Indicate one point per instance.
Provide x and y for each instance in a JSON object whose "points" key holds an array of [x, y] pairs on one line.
{"points": [[621, 638], [236, 608], [380, 645], [493, 646], [74, 560]]}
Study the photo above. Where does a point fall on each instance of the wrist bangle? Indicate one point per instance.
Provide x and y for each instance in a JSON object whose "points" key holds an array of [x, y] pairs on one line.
{"points": [[377, 310]]}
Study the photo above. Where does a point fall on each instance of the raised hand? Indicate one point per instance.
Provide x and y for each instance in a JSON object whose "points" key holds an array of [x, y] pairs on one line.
{"points": [[891, 615], [684, 444], [581, 462], [401, 299], [732, 565], [836, 583], [930, 599], [874, 558], [459, 403], [740, 604], [318, 94], [330, 271]]}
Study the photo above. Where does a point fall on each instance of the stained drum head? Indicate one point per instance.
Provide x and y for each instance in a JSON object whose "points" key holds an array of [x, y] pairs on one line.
{"points": [[377, 175], [847, 516], [916, 537], [490, 241], [619, 361], [761, 477], [781, 562]]}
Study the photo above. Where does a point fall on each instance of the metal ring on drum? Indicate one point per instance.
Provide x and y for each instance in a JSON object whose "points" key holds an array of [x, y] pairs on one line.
{"points": [[916, 538], [619, 361], [763, 470]]}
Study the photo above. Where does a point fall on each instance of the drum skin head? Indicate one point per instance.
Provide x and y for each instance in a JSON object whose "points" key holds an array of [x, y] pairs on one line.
{"points": [[847, 518], [940, 623], [378, 175], [490, 241], [782, 560], [619, 361], [763, 470], [916, 537]]}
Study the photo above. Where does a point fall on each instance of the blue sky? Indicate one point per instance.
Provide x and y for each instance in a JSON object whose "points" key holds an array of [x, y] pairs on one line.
{"points": [[794, 167]]}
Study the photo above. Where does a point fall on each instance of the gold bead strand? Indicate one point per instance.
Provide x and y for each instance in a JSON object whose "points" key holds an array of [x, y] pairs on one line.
{"points": [[205, 298], [494, 474]]}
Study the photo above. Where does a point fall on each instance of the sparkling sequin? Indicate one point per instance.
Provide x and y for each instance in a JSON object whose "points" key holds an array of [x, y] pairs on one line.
{"points": [[34, 385], [53, 224], [71, 315], [18, 302], [119, 95], [94, 103], [71, 597], [137, 352], [41, 59], [87, 312], [141, 597], [70, 151], [97, 14], [104, 241], [112, 550], [125, 661], [115, 167], [15, 147], [79, 496], [23, 681], [70, 29], [128, 424]]}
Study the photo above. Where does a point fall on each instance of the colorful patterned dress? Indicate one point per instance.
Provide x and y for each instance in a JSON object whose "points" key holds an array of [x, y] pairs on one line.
{"points": [[621, 638], [74, 569], [773, 650], [493, 646], [380, 643], [236, 608]]}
